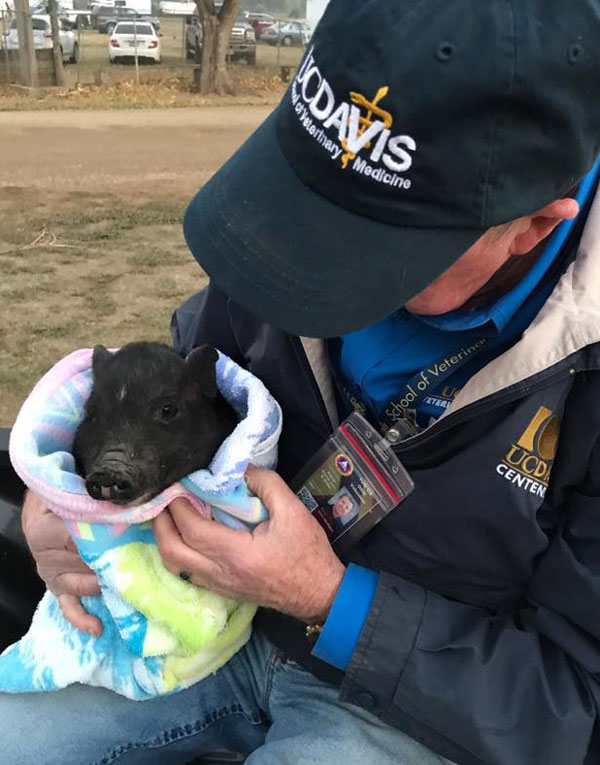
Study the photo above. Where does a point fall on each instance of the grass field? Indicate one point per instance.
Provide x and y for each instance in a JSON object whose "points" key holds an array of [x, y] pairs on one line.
{"points": [[101, 269], [91, 241]]}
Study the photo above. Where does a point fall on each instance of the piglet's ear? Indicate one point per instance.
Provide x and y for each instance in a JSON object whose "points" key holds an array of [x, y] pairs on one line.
{"points": [[99, 358], [200, 367]]}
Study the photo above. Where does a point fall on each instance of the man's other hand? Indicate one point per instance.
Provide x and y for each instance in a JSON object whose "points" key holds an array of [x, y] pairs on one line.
{"points": [[286, 563], [58, 563]]}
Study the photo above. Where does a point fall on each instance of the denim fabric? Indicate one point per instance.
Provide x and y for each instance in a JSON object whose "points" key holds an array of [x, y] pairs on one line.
{"points": [[259, 704]]}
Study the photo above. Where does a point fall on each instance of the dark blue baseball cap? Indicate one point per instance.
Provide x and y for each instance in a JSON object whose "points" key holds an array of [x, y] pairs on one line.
{"points": [[410, 128]]}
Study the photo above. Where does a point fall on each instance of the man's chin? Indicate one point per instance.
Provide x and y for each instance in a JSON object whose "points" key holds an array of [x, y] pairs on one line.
{"points": [[423, 307]]}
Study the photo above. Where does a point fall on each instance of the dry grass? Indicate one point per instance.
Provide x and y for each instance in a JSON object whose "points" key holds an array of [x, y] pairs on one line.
{"points": [[172, 92], [109, 272]]}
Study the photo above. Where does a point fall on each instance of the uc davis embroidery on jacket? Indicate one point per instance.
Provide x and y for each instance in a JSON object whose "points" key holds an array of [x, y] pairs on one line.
{"points": [[528, 462]]}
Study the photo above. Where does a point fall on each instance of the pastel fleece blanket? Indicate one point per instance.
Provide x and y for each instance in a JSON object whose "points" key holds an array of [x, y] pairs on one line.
{"points": [[161, 634]]}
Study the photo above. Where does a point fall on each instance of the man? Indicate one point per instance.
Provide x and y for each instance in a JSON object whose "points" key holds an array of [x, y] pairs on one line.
{"points": [[336, 513], [439, 156]]}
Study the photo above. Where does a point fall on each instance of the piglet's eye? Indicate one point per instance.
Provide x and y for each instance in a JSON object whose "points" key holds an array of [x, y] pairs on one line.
{"points": [[168, 412]]}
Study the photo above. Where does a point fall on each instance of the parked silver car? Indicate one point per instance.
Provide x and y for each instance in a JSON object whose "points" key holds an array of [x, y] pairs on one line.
{"points": [[42, 37], [290, 33]]}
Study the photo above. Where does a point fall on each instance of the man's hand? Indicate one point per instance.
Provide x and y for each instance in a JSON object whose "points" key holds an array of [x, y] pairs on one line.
{"points": [[286, 563], [59, 564]]}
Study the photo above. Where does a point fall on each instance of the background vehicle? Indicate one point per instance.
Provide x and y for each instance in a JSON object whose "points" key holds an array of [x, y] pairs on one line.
{"points": [[259, 22], [242, 42], [42, 37], [177, 7], [141, 6], [128, 37], [105, 18], [290, 33], [77, 17]]}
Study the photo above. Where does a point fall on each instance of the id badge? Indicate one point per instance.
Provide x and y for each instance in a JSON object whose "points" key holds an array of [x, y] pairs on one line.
{"points": [[352, 482]]}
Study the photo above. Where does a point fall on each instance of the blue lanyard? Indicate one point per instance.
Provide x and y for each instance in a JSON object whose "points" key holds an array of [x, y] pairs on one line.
{"points": [[397, 419]]}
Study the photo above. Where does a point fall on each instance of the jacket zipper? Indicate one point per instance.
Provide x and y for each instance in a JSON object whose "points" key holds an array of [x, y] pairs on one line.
{"points": [[471, 411], [571, 364]]}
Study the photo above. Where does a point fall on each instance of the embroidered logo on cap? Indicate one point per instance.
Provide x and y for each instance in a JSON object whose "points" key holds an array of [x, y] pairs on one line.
{"points": [[348, 129]]}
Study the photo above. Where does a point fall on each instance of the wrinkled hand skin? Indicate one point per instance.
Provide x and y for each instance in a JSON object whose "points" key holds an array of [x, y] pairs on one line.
{"points": [[59, 564], [286, 563]]}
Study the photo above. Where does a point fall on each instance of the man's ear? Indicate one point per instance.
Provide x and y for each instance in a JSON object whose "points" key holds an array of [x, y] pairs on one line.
{"points": [[200, 368], [533, 229], [99, 358]]}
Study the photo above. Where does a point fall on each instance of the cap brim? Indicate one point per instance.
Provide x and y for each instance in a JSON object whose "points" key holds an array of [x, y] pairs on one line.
{"points": [[299, 261]]}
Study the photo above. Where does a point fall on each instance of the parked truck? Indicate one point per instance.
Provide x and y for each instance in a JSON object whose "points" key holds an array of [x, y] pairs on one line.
{"points": [[242, 41]]}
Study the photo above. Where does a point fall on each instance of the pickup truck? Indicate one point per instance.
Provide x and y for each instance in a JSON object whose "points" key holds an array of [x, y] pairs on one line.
{"points": [[105, 18], [242, 42]]}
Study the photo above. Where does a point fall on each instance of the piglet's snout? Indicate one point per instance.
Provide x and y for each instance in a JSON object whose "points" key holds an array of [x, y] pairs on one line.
{"points": [[112, 479]]}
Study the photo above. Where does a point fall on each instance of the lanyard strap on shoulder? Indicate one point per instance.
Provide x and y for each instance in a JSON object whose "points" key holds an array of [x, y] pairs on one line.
{"points": [[397, 419]]}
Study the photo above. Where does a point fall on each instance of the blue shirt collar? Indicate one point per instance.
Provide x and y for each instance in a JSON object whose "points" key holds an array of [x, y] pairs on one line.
{"points": [[497, 315]]}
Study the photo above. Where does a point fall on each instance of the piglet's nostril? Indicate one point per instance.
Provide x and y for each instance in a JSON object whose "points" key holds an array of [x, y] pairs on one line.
{"points": [[94, 489], [122, 490], [110, 486]]}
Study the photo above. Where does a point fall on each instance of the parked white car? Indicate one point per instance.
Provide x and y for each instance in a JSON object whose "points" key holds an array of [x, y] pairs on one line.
{"points": [[122, 42], [42, 37]]}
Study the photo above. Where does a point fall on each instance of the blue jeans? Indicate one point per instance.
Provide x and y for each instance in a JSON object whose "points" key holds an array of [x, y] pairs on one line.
{"points": [[258, 704]]}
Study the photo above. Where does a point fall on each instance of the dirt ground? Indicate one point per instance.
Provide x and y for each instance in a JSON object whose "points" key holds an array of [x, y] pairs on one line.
{"points": [[91, 248]]}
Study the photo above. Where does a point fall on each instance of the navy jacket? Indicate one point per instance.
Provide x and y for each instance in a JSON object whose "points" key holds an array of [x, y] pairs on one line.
{"points": [[483, 640]]}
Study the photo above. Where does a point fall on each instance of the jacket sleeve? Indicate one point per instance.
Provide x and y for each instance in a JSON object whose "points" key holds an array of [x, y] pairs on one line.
{"points": [[204, 318], [515, 689]]}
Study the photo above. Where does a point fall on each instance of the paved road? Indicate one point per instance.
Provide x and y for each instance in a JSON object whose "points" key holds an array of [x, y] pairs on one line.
{"points": [[119, 152]]}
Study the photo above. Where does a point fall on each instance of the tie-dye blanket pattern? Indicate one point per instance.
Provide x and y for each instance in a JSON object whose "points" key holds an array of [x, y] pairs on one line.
{"points": [[161, 634]]}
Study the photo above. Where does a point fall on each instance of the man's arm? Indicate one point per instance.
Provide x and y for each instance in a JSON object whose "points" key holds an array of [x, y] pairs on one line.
{"points": [[481, 688], [520, 688]]}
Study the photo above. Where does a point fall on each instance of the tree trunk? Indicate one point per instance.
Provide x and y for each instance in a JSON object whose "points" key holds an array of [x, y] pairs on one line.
{"points": [[209, 36], [59, 76], [223, 83], [216, 31], [27, 59]]}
